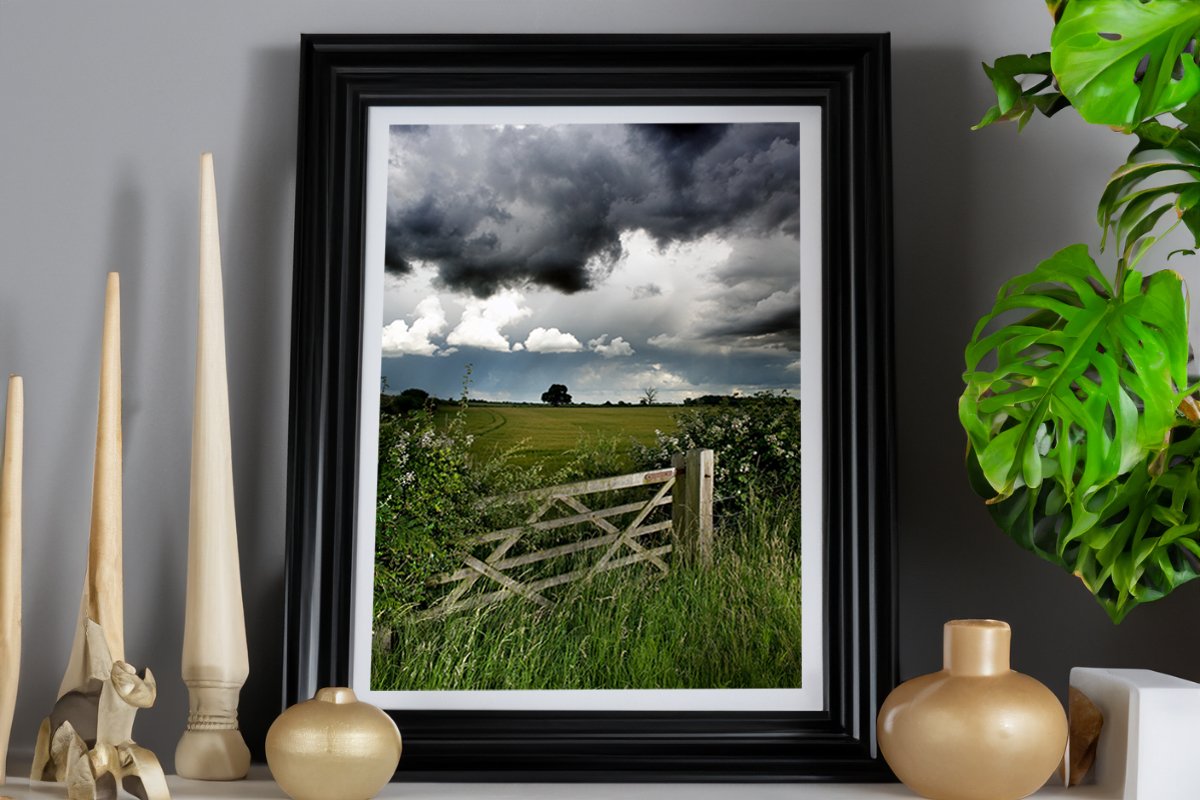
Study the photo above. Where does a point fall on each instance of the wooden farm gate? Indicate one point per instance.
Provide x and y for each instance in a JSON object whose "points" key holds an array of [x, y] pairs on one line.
{"points": [[686, 486]]}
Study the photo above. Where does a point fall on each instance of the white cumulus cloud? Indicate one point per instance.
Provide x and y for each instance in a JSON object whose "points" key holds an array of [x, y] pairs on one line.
{"points": [[617, 347], [402, 339], [483, 320], [551, 340]]}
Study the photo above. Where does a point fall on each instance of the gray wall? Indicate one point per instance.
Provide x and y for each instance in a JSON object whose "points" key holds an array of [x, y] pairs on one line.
{"points": [[103, 110]]}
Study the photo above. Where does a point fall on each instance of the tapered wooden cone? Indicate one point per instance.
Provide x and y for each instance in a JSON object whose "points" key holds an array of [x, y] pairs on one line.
{"points": [[10, 561], [215, 661], [104, 587]]}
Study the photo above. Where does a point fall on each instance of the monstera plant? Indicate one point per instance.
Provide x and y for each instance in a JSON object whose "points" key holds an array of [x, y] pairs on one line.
{"points": [[1083, 425]]}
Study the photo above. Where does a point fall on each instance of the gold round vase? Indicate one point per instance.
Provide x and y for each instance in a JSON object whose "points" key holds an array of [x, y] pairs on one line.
{"points": [[977, 730], [333, 748]]}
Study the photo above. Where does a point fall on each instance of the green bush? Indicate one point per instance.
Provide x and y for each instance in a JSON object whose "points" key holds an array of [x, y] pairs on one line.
{"points": [[425, 508], [756, 440]]}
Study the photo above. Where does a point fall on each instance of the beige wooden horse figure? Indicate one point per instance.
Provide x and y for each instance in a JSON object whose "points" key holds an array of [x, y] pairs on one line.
{"points": [[87, 741]]}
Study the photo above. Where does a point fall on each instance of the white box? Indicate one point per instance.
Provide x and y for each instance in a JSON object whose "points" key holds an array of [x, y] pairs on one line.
{"points": [[1149, 747]]}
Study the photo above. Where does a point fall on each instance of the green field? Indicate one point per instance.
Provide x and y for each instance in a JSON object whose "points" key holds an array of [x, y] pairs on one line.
{"points": [[546, 435]]}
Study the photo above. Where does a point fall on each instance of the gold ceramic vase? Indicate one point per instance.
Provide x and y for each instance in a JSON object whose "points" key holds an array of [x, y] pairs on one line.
{"points": [[333, 748], [976, 730]]}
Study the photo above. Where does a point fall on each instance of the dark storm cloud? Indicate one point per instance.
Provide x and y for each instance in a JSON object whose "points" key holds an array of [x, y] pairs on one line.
{"points": [[743, 181], [493, 207], [778, 327], [678, 146], [759, 291]]}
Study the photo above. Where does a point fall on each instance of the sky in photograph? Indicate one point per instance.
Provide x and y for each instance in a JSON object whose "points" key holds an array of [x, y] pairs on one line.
{"points": [[611, 258]]}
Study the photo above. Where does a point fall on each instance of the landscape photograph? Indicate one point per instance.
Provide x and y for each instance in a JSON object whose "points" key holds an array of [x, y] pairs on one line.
{"points": [[589, 417]]}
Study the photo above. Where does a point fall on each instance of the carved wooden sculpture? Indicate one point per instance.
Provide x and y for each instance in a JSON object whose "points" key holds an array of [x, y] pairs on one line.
{"points": [[10, 562], [87, 739], [215, 662]]}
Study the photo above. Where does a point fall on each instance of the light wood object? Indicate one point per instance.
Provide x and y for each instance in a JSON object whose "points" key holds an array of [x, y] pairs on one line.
{"points": [[86, 741], [215, 661], [10, 562], [102, 600]]}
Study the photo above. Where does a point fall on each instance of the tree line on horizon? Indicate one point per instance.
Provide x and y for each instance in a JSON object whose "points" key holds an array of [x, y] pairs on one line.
{"points": [[557, 395]]}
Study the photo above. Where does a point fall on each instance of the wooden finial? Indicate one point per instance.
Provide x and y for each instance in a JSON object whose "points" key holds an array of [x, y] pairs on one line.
{"points": [[106, 584], [103, 587], [10, 561], [215, 661]]}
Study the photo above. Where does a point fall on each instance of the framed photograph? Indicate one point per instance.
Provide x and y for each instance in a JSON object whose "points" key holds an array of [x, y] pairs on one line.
{"points": [[590, 468]]}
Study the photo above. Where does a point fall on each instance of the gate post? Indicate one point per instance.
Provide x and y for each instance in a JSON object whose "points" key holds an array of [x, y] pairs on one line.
{"points": [[692, 504]]}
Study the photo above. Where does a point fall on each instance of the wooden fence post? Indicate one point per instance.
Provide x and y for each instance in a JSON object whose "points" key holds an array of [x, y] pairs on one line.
{"points": [[692, 504], [679, 503]]}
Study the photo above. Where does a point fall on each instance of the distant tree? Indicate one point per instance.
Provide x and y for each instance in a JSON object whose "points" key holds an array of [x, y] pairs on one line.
{"points": [[708, 400], [408, 400], [608, 402], [649, 395], [556, 395]]}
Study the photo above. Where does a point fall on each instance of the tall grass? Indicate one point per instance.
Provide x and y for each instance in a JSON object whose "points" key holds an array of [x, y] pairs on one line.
{"points": [[734, 624]]}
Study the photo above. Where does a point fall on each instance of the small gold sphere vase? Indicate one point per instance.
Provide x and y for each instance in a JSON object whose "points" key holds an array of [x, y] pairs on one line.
{"points": [[977, 730], [333, 748]]}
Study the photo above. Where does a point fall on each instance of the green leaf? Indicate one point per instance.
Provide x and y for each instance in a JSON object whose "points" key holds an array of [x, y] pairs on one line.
{"points": [[1161, 174], [1014, 102], [1121, 62], [1068, 376], [1142, 537], [1189, 115]]}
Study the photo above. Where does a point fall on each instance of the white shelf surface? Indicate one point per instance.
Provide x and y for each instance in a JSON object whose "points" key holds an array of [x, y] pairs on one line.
{"points": [[259, 786]]}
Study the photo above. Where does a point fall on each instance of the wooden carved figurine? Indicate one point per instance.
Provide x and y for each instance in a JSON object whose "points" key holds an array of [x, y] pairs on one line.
{"points": [[87, 739], [215, 661], [10, 562]]}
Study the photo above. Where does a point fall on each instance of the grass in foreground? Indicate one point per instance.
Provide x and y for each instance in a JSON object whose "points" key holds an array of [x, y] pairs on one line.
{"points": [[734, 625]]}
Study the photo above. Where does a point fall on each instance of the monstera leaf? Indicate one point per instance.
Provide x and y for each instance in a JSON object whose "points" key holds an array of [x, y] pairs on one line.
{"points": [[1162, 175], [1081, 429], [1014, 102], [1083, 384], [1141, 539], [1121, 62]]}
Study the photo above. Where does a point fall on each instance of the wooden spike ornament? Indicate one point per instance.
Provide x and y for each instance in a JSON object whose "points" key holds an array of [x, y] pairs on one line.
{"points": [[87, 741], [215, 661], [10, 561]]}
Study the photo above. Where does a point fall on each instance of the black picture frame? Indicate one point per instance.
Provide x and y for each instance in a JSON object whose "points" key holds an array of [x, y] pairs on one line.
{"points": [[342, 76]]}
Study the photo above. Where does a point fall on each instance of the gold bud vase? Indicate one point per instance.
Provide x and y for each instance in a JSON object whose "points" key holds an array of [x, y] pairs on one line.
{"points": [[333, 747], [977, 730]]}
